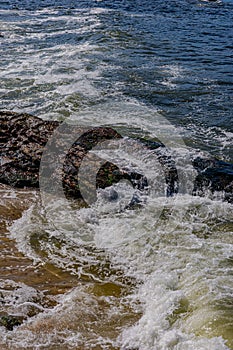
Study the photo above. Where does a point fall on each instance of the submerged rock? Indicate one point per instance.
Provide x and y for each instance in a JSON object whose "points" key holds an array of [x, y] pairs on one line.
{"points": [[215, 176], [11, 321], [19, 302]]}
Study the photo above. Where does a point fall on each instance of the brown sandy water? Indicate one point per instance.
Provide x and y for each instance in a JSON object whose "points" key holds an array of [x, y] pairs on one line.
{"points": [[48, 284], [13, 264]]}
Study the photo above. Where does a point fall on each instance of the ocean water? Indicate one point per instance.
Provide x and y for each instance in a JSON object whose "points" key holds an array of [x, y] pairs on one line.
{"points": [[158, 277]]}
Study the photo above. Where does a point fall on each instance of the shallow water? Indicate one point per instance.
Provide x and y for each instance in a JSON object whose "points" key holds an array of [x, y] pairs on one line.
{"points": [[158, 277]]}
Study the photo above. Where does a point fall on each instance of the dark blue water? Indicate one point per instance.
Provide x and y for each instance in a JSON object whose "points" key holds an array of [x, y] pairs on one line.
{"points": [[139, 39]]}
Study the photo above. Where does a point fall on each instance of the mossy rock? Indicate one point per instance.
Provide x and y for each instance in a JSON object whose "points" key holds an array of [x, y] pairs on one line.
{"points": [[10, 321]]}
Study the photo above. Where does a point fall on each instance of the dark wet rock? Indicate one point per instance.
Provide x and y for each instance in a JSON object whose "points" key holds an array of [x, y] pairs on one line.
{"points": [[214, 175], [11, 321], [32, 148], [25, 139], [110, 195], [167, 164], [151, 144], [22, 138], [170, 173], [19, 302], [135, 203]]}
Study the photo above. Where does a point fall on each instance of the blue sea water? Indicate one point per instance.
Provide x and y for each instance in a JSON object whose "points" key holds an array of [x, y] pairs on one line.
{"points": [[173, 55], [134, 65]]}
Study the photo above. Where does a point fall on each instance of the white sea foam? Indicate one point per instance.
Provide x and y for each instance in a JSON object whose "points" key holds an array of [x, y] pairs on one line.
{"points": [[44, 72], [181, 280], [216, 140], [171, 74], [173, 247]]}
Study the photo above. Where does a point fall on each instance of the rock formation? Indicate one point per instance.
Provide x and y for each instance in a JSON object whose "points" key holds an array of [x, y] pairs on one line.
{"points": [[25, 139], [215, 176]]}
